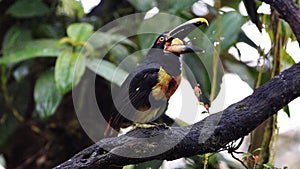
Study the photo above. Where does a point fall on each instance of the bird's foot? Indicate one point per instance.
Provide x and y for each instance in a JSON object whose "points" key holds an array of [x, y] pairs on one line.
{"points": [[161, 125], [151, 125]]}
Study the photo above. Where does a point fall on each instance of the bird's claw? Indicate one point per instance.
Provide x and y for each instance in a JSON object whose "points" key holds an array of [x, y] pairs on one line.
{"points": [[151, 125]]}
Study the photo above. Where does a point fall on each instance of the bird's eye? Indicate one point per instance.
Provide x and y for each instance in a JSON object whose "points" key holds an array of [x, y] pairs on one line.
{"points": [[161, 38]]}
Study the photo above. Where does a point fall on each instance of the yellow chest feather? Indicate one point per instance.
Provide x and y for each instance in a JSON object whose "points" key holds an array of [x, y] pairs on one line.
{"points": [[166, 86]]}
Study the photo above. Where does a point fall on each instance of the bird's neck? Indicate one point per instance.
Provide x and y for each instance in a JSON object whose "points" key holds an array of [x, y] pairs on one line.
{"points": [[172, 64]]}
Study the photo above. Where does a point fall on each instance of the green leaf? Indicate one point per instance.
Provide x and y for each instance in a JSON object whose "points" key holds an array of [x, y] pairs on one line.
{"points": [[244, 38], [101, 39], [233, 4], [286, 31], [41, 44], [28, 9], [122, 39], [287, 60], [70, 8], [286, 109], [129, 62], [32, 49], [196, 73], [119, 52], [69, 68], [15, 39], [28, 54], [80, 32], [46, 96], [230, 29], [131, 166], [144, 5], [268, 166], [201, 66], [251, 8], [107, 70], [48, 30], [97, 39], [245, 72], [146, 40]]}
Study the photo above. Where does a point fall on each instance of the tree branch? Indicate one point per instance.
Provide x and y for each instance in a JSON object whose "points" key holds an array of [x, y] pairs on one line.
{"points": [[290, 12], [208, 135]]}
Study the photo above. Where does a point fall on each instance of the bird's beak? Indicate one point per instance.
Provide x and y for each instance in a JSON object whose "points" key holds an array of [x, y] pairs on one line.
{"points": [[175, 37], [184, 29]]}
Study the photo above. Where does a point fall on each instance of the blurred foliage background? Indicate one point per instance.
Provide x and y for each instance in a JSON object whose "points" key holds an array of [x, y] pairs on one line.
{"points": [[40, 44]]}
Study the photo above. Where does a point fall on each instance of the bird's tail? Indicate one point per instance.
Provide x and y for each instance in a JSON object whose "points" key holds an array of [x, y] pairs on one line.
{"points": [[115, 123]]}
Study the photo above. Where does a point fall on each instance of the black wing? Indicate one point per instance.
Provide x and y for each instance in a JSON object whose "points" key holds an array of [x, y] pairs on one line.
{"points": [[134, 96]]}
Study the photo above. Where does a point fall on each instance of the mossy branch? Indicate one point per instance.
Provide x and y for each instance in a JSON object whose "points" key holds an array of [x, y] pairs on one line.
{"points": [[206, 136]]}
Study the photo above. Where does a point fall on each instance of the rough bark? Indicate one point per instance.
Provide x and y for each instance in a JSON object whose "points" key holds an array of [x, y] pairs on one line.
{"points": [[208, 135]]}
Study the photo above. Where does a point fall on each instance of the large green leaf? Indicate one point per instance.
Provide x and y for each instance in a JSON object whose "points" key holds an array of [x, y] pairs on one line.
{"points": [[113, 44], [196, 73], [201, 66], [32, 49], [46, 95], [107, 70], [28, 9], [230, 29], [122, 39], [69, 68], [41, 44], [80, 32], [28, 54], [15, 39], [48, 30], [119, 52], [101, 39], [242, 70]]}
